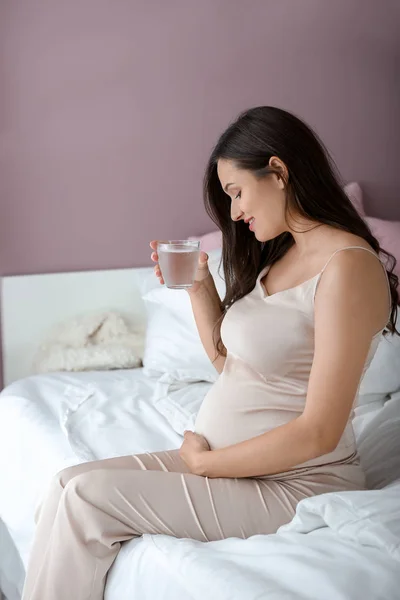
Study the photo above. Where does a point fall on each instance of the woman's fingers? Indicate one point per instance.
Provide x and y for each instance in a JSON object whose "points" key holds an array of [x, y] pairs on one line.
{"points": [[203, 258], [157, 271], [154, 258], [154, 255]]}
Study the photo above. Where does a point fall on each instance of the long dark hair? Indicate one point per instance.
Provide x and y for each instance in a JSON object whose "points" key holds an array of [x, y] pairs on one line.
{"points": [[313, 189]]}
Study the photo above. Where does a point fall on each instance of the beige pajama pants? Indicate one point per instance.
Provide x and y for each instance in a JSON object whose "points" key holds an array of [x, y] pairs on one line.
{"points": [[93, 507]]}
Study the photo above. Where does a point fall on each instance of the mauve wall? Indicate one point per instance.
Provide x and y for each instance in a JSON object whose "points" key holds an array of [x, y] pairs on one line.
{"points": [[110, 109]]}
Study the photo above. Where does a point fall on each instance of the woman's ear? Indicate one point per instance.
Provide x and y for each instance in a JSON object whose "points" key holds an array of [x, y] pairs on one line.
{"points": [[281, 170]]}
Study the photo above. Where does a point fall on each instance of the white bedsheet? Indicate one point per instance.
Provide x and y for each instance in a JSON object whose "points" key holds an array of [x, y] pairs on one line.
{"points": [[49, 422]]}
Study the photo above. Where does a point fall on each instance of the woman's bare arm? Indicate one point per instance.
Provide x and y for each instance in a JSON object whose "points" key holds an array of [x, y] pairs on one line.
{"points": [[207, 310]]}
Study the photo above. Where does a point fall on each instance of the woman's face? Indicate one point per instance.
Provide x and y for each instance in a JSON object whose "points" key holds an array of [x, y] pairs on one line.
{"points": [[261, 202]]}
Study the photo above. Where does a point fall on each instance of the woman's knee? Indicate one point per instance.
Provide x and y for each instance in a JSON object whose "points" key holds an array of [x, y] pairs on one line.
{"points": [[87, 485], [54, 491], [64, 476], [83, 494]]}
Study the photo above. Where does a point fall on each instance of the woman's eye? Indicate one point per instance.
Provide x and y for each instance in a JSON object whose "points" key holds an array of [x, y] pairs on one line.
{"points": [[238, 195]]}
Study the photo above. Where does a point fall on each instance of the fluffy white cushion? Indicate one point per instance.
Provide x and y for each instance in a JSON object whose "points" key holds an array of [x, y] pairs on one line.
{"points": [[173, 344], [94, 341]]}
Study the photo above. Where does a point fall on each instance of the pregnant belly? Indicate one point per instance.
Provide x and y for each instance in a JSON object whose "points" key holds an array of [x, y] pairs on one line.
{"points": [[237, 409], [242, 405]]}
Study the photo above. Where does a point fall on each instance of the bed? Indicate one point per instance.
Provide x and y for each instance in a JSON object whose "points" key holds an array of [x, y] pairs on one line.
{"points": [[338, 546]]}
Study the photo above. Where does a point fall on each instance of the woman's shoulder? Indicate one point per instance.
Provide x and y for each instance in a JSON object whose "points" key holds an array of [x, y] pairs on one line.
{"points": [[354, 279]]}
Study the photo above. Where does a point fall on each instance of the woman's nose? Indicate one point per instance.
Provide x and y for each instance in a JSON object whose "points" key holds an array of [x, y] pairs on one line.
{"points": [[236, 213], [236, 217]]}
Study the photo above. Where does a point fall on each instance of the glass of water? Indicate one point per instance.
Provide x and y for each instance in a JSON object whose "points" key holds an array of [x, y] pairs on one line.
{"points": [[178, 260]]}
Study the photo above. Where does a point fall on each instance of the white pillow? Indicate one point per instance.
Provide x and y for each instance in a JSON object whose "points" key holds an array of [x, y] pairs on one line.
{"points": [[173, 344], [383, 375], [377, 428]]}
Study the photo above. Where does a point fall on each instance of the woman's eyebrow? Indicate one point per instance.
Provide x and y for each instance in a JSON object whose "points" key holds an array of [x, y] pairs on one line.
{"points": [[227, 185]]}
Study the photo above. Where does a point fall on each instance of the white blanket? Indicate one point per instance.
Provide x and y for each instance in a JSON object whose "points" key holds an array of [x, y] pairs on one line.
{"points": [[49, 422], [340, 546]]}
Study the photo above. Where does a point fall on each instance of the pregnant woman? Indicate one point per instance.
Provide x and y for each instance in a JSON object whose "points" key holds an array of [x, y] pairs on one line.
{"points": [[307, 299]]}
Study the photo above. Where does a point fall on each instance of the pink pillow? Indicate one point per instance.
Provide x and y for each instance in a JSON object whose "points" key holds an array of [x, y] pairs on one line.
{"points": [[354, 193], [388, 235], [209, 241], [386, 232]]}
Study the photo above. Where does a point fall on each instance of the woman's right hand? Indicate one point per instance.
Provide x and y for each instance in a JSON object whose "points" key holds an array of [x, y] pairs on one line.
{"points": [[201, 273]]}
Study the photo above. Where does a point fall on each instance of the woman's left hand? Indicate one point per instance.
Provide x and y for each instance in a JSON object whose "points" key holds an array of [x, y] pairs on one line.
{"points": [[192, 452]]}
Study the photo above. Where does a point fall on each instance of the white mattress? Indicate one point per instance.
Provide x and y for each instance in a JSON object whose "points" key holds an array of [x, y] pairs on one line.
{"points": [[338, 546]]}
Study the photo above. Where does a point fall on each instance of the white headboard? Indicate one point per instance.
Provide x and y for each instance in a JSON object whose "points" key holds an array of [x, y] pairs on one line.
{"points": [[32, 304]]}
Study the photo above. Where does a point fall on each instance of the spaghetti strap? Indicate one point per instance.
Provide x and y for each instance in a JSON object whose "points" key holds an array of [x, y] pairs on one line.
{"points": [[367, 250], [348, 248]]}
